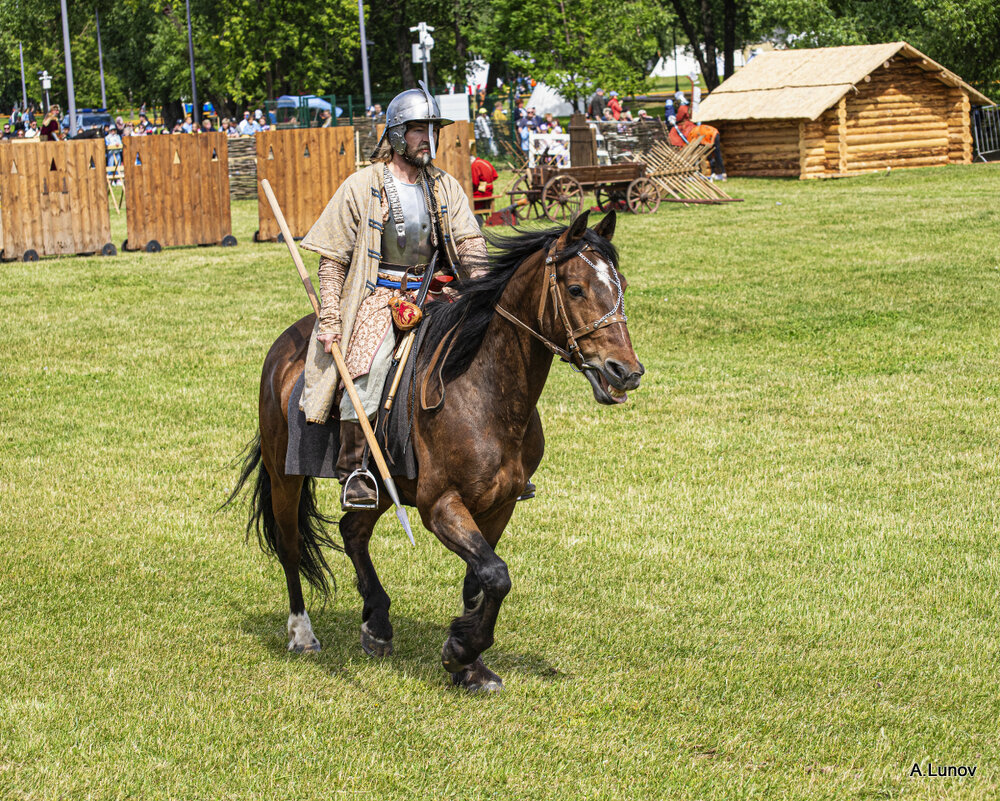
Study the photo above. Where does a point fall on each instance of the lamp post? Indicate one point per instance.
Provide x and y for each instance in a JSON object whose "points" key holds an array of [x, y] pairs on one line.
{"points": [[46, 80], [364, 56], [194, 91], [24, 86], [100, 59], [422, 50], [69, 72]]}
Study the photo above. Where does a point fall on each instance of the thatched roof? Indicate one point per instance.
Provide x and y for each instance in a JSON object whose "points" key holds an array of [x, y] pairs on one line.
{"points": [[802, 84]]}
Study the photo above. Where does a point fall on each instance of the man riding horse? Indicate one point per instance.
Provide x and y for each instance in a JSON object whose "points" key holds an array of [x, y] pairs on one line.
{"points": [[376, 239]]}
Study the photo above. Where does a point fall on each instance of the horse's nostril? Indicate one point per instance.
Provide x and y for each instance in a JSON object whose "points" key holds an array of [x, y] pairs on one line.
{"points": [[617, 369]]}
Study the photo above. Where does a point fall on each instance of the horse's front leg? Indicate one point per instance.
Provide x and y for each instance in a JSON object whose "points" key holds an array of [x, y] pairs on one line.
{"points": [[487, 583]]}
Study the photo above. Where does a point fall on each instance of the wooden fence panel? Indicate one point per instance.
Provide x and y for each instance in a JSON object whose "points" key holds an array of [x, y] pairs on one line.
{"points": [[53, 198], [177, 190], [453, 153], [305, 167]]}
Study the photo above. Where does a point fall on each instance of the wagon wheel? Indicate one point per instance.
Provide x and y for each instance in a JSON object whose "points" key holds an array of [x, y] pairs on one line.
{"points": [[562, 197], [521, 201], [643, 196], [608, 199]]}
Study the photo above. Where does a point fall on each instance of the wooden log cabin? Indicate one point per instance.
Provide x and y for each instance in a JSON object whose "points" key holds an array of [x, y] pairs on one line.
{"points": [[836, 111]]}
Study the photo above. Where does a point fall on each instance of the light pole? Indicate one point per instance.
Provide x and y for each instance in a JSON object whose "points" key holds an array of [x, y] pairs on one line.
{"points": [[194, 91], [422, 50], [100, 59], [364, 56], [69, 72], [46, 80], [24, 86]]}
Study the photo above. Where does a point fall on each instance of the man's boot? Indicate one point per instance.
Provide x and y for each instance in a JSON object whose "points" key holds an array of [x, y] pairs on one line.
{"points": [[360, 492]]}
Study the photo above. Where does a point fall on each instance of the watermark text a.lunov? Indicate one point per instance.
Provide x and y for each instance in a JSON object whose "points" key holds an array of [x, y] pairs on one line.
{"points": [[935, 770]]}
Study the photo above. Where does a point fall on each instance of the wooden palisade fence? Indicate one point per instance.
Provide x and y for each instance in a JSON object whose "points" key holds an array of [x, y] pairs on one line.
{"points": [[53, 199], [305, 167], [177, 191]]}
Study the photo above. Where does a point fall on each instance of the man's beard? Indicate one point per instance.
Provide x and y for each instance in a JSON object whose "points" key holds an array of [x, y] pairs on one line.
{"points": [[418, 158]]}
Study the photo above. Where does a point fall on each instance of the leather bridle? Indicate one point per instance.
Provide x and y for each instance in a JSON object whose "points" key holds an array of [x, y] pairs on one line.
{"points": [[572, 352]]}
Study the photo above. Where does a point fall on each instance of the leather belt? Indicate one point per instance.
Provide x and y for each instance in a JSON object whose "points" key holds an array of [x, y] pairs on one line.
{"points": [[402, 273], [400, 269]]}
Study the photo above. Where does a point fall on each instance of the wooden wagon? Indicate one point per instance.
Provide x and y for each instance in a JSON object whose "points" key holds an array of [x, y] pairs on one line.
{"points": [[557, 192]]}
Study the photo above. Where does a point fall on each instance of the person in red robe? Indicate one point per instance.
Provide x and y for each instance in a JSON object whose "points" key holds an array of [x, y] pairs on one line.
{"points": [[483, 176]]}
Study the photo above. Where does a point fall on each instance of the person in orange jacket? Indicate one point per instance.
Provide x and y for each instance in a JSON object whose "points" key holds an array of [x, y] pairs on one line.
{"points": [[683, 130]]}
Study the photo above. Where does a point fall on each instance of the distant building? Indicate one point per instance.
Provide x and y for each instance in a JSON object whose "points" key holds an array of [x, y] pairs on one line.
{"points": [[832, 111]]}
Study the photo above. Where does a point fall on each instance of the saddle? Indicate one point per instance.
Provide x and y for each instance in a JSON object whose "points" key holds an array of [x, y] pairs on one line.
{"points": [[313, 447]]}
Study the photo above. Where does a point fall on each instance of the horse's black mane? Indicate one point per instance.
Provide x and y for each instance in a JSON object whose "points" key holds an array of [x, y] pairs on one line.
{"points": [[478, 298]]}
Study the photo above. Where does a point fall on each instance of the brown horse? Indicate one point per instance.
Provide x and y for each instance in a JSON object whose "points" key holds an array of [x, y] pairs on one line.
{"points": [[550, 292]]}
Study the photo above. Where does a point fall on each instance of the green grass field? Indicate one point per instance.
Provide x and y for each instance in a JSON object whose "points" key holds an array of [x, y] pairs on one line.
{"points": [[773, 574]]}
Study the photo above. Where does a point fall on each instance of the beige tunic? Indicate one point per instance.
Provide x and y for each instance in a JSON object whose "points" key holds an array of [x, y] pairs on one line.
{"points": [[349, 231]]}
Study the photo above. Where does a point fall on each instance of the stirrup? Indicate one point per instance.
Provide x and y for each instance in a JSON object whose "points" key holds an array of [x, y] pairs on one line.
{"points": [[361, 472]]}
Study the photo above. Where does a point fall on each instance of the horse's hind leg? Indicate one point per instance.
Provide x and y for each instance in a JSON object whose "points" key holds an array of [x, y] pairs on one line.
{"points": [[286, 495], [376, 631]]}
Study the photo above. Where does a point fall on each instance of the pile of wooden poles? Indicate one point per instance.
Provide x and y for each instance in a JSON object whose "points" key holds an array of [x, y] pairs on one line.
{"points": [[677, 172]]}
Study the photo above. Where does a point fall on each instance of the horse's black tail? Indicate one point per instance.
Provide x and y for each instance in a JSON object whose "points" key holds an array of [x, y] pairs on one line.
{"points": [[312, 523]]}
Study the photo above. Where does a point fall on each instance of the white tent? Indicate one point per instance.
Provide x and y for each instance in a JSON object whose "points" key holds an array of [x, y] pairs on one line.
{"points": [[545, 99]]}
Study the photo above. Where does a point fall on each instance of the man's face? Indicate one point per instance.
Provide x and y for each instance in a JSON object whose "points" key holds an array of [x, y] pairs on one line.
{"points": [[418, 146]]}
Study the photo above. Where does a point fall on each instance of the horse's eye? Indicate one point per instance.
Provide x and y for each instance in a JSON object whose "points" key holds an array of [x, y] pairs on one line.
{"points": [[576, 291]]}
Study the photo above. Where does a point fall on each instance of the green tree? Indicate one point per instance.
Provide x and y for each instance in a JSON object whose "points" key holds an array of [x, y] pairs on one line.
{"points": [[576, 45]]}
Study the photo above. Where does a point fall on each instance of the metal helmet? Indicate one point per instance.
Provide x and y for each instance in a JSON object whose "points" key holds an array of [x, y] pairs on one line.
{"points": [[413, 105]]}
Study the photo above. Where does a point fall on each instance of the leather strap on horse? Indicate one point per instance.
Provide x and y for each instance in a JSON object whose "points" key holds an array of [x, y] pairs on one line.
{"points": [[435, 368], [572, 350]]}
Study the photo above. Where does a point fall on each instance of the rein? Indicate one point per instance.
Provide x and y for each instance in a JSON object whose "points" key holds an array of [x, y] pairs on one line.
{"points": [[572, 352]]}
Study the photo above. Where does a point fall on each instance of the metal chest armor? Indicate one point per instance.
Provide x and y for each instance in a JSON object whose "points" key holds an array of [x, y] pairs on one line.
{"points": [[407, 241]]}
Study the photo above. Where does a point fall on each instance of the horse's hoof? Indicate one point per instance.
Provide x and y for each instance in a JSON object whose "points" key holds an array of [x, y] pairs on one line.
{"points": [[301, 639], [312, 647], [477, 678], [372, 645], [450, 659]]}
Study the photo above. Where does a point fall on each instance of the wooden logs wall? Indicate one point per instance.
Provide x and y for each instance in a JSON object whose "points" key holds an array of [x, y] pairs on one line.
{"points": [[758, 147], [898, 118]]}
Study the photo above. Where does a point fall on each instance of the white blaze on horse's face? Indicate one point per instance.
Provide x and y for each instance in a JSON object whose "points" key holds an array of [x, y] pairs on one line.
{"points": [[603, 270]]}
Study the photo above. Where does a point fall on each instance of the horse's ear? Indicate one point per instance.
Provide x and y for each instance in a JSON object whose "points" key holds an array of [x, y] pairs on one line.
{"points": [[577, 228], [606, 228]]}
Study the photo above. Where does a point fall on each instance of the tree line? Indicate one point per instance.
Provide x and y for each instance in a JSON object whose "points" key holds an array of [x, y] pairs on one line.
{"points": [[248, 50]]}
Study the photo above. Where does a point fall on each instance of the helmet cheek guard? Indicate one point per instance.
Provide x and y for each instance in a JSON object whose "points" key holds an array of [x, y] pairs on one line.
{"points": [[396, 138]]}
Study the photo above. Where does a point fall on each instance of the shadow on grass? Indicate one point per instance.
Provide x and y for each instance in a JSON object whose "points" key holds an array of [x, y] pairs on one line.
{"points": [[417, 645]]}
